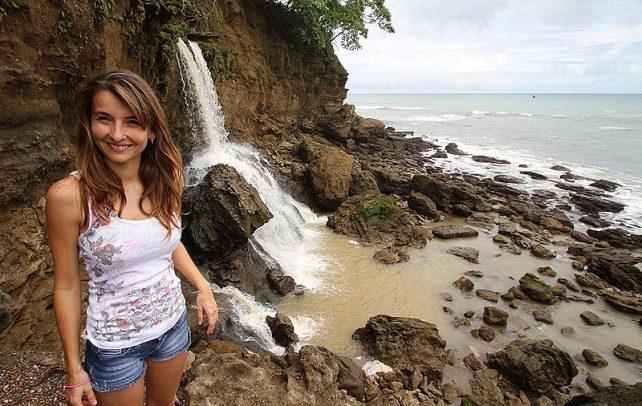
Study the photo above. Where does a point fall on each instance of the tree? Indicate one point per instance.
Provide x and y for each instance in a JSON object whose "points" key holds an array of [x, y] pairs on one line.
{"points": [[323, 21]]}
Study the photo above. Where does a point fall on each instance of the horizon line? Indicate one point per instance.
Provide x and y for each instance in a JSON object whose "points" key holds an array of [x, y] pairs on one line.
{"points": [[475, 92]]}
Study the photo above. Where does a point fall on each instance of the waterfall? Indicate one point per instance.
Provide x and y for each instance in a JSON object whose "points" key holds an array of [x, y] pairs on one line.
{"points": [[287, 239]]}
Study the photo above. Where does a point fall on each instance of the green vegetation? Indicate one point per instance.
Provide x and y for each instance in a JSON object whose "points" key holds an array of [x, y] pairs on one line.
{"points": [[6, 6], [466, 401], [104, 10], [322, 21], [219, 61], [381, 205]]}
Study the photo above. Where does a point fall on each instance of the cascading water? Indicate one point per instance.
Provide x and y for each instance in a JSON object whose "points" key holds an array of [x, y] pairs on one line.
{"points": [[286, 239]]}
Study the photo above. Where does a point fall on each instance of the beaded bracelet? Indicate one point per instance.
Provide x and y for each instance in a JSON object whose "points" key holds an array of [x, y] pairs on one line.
{"points": [[78, 384]]}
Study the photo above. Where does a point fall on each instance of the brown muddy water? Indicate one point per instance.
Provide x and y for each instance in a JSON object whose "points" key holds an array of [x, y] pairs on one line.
{"points": [[358, 287]]}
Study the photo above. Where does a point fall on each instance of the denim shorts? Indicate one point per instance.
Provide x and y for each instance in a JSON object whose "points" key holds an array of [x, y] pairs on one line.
{"points": [[113, 370]]}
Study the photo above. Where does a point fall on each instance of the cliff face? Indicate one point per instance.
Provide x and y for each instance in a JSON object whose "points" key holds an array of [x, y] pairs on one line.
{"points": [[267, 81]]}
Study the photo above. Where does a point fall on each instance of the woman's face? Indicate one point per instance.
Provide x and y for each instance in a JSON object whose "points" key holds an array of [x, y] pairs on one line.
{"points": [[117, 131]]}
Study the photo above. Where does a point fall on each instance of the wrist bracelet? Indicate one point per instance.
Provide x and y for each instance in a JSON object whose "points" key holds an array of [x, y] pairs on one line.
{"points": [[78, 384]]}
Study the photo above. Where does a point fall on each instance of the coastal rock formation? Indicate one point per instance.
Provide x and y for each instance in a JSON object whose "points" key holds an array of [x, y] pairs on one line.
{"points": [[330, 172], [489, 160], [282, 329], [449, 232], [224, 373], [423, 205], [535, 365], [400, 341], [224, 212], [609, 395], [377, 220], [615, 266], [495, 316], [447, 194], [593, 358], [468, 253], [391, 256], [628, 353]]}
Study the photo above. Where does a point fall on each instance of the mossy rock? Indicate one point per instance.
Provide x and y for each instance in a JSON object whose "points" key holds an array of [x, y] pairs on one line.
{"points": [[537, 289]]}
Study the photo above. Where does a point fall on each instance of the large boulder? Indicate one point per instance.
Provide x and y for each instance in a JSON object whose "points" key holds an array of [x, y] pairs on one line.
{"points": [[330, 173], [537, 289], [423, 205], [403, 341], [449, 232], [366, 128], [534, 365], [447, 193], [617, 238], [224, 210], [376, 219], [615, 266], [593, 205], [339, 124], [363, 182], [227, 374]]}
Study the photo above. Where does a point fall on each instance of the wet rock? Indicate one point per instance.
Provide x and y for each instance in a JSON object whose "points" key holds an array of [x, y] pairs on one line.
{"points": [[617, 381], [588, 204], [460, 321], [449, 232], [617, 238], [536, 289], [627, 302], [224, 212], [284, 284], [610, 395], [399, 341], [484, 332], [568, 284], [507, 179], [464, 284], [543, 316], [546, 271], [481, 220], [534, 175], [489, 160], [391, 256], [507, 228], [518, 293], [474, 273], [628, 353], [568, 331], [594, 220], [495, 316], [468, 253], [560, 168], [605, 185], [591, 318], [507, 296], [363, 182], [391, 179], [536, 365], [447, 297], [593, 358], [377, 220], [452, 148], [542, 252], [423, 205], [593, 382], [469, 314], [581, 237], [511, 248], [440, 154], [473, 362], [282, 330], [488, 295], [521, 241]]}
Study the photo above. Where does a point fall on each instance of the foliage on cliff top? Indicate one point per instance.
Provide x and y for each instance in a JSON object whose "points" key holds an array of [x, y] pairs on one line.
{"points": [[323, 21]]}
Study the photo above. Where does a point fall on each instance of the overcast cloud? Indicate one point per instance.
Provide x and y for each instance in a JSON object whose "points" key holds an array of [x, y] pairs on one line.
{"points": [[531, 46]]}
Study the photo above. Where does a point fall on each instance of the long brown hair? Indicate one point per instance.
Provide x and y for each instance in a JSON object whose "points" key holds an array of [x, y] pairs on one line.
{"points": [[161, 168]]}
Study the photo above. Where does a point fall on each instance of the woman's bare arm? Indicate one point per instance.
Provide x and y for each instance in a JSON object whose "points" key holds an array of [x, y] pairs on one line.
{"points": [[64, 220], [205, 302]]}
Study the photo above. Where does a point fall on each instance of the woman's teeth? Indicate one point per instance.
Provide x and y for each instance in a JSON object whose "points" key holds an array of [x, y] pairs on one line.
{"points": [[119, 147]]}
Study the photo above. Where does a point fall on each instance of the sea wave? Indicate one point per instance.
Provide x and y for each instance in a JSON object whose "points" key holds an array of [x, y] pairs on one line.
{"points": [[440, 118], [402, 108], [613, 127]]}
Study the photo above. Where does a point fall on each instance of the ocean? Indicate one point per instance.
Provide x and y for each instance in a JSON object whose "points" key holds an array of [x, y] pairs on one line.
{"points": [[596, 136]]}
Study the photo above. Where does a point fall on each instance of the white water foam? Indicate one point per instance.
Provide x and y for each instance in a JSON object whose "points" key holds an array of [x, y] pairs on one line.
{"points": [[288, 239]]}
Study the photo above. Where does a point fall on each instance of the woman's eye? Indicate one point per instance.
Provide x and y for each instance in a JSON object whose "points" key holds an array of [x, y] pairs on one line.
{"points": [[102, 119], [133, 123]]}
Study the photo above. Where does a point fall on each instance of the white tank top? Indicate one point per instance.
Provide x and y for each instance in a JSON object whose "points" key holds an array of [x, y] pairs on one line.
{"points": [[134, 293]]}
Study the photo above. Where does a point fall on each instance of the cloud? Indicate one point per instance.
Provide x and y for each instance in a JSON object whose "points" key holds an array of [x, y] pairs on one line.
{"points": [[502, 45]]}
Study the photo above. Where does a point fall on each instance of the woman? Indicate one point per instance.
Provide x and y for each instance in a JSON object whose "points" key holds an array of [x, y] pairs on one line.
{"points": [[120, 212]]}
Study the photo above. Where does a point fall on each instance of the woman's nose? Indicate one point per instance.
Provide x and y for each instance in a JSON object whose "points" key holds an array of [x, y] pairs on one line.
{"points": [[118, 132]]}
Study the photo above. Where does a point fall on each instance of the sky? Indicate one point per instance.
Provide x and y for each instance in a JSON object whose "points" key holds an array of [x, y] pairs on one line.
{"points": [[523, 46]]}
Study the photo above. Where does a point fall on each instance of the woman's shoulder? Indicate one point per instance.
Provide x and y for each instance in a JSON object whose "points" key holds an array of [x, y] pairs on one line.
{"points": [[65, 193]]}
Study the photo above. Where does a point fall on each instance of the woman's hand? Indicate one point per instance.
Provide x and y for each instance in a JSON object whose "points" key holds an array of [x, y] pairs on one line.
{"points": [[205, 304], [83, 394]]}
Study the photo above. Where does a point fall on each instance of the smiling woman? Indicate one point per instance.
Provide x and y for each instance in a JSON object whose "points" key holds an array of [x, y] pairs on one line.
{"points": [[120, 212]]}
